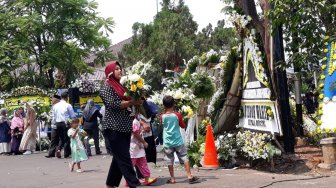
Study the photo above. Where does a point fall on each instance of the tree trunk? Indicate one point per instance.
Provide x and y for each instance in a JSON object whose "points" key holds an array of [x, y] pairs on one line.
{"points": [[51, 77], [283, 94]]}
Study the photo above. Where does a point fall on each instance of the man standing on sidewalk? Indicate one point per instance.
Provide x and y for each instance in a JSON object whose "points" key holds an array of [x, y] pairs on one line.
{"points": [[62, 114], [55, 134]]}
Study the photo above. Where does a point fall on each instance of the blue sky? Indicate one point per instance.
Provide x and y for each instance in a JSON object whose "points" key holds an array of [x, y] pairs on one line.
{"points": [[126, 12]]}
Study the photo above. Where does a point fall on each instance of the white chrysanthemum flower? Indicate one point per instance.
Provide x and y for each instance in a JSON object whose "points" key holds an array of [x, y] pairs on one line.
{"points": [[134, 77], [223, 58], [326, 99], [334, 98], [178, 94], [123, 80], [147, 87], [211, 53]]}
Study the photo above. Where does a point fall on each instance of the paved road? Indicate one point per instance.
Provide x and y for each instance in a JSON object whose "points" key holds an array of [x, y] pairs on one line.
{"points": [[35, 171]]}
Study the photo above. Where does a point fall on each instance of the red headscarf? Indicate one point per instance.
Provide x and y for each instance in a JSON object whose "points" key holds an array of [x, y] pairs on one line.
{"points": [[113, 82]]}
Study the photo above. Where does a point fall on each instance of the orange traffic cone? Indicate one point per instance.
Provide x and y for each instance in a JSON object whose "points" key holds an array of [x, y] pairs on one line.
{"points": [[210, 154]]}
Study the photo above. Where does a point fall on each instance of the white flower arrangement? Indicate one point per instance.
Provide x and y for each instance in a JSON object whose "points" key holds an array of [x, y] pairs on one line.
{"points": [[184, 99], [226, 147], [86, 86], [211, 53], [309, 124], [4, 95], [140, 68], [240, 20], [25, 91], [214, 99], [254, 145]]}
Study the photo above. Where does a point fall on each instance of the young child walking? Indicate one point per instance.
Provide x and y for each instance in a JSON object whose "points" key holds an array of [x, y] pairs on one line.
{"points": [[137, 151], [78, 153], [172, 139]]}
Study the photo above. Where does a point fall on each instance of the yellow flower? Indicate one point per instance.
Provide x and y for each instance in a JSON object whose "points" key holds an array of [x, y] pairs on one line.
{"points": [[139, 85], [269, 112], [325, 59], [322, 77], [326, 37], [260, 67], [319, 130], [326, 43], [334, 130], [334, 56], [321, 85], [327, 130], [319, 122], [320, 105], [324, 66], [325, 50], [133, 87], [320, 112], [321, 96], [190, 114]]}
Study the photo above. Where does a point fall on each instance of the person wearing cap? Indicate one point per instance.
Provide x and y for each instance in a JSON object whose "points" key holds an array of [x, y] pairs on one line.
{"points": [[62, 113], [69, 114], [55, 135]]}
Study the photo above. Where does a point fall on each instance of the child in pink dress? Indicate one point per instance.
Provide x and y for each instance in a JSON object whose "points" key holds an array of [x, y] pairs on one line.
{"points": [[138, 154]]}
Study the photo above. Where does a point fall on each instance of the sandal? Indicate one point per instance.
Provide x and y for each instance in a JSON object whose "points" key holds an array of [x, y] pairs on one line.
{"points": [[150, 181], [170, 181], [79, 171], [193, 180]]}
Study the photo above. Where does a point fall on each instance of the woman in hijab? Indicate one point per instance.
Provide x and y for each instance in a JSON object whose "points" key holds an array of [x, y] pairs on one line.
{"points": [[5, 132], [29, 137], [17, 126], [90, 119], [117, 126]]}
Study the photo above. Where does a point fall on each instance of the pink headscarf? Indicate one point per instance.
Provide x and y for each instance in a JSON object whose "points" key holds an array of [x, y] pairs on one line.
{"points": [[17, 122]]}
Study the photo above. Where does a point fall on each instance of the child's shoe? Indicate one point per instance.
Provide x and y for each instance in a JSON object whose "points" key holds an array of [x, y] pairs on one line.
{"points": [[150, 181]]}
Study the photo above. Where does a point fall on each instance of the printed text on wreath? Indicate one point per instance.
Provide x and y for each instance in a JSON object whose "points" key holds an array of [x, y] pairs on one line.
{"points": [[256, 115]]}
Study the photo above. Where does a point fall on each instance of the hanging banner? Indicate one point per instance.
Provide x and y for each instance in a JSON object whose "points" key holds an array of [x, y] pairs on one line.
{"points": [[83, 101], [328, 106], [96, 98], [15, 102], [258, 112]]}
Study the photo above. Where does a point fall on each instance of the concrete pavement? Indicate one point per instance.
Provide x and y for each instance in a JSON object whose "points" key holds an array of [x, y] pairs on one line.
{"points": [[36, 171]]}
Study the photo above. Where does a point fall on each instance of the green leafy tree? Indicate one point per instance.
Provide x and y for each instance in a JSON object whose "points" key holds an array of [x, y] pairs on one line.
{"points": [[218, 38], [167, 41], [305, 24], [54, 35]]}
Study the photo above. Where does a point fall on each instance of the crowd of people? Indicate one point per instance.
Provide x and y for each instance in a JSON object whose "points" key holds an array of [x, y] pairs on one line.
{"points": [[128, 136], [18, 135]]}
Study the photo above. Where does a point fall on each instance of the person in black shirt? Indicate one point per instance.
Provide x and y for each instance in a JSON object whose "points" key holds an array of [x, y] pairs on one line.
{"points": [[90, 119]]}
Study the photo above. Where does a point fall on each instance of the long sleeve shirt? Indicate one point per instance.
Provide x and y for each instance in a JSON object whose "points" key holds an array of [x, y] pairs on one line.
{"points": [[116, 119]]}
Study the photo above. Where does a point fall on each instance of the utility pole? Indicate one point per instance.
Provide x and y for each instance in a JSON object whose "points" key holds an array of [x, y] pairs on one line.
{"points": [[157, 6], [298, 86]]}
